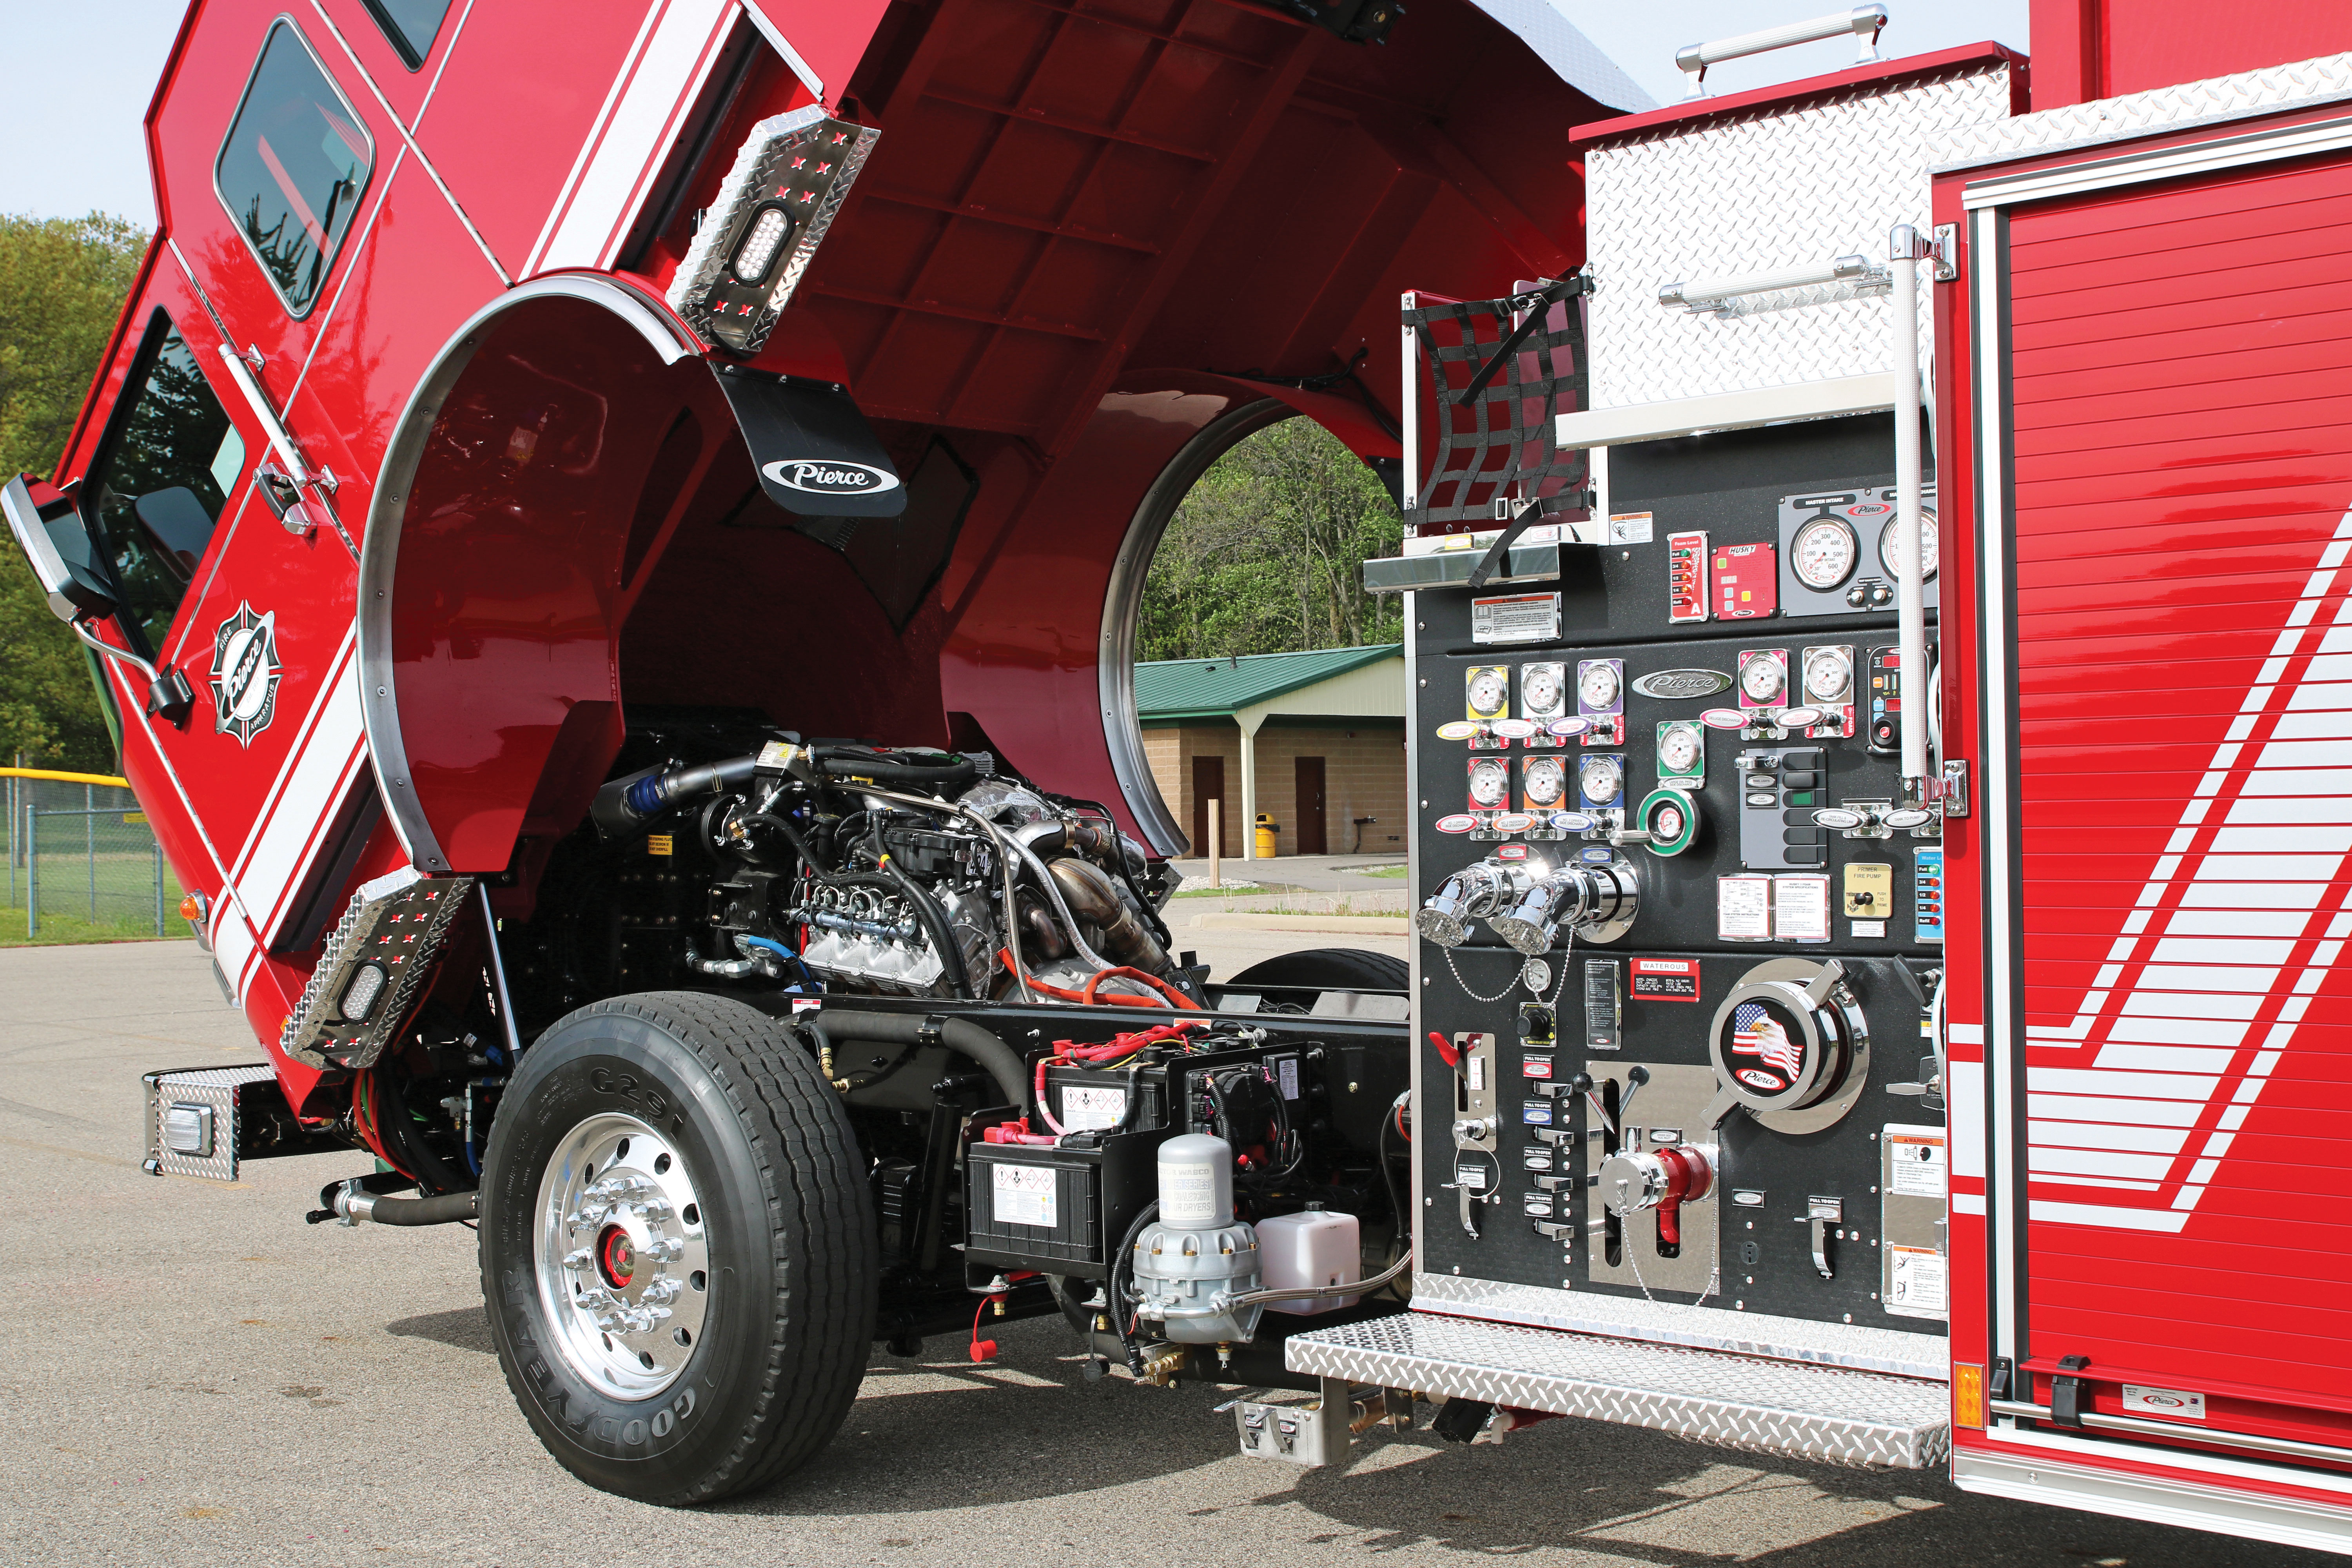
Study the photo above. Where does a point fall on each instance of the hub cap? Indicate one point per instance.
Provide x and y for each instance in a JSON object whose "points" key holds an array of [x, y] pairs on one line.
{"points": [[623, 1261]]}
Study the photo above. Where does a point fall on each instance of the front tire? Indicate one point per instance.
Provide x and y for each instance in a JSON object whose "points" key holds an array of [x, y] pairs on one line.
{"points": [[677, 1247]]}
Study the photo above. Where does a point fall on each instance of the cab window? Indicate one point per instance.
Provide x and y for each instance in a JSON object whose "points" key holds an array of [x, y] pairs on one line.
{"points": [[410, 26], [161, 482], [292, 170]]}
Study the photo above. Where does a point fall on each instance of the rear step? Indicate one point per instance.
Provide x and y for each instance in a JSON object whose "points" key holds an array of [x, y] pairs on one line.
{"points": [[1810, 1411]]}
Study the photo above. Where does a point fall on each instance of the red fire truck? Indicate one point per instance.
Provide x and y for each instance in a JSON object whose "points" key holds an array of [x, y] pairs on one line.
{"points": [[616, 549]]}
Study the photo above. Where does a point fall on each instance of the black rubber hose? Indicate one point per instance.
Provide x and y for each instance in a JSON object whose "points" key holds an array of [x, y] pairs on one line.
{"points": [[948, 772], [1122, 1309], [447, 1210], [935, 923], [423, 1163], [1001, 1061]]}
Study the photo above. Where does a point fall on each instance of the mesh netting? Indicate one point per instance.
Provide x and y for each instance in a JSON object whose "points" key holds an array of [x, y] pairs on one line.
{"points": [[1495, 442]]}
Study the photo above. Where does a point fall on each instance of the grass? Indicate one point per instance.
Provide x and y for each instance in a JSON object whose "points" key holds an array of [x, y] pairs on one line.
{"points": [[1386, 873], [61, 930]]}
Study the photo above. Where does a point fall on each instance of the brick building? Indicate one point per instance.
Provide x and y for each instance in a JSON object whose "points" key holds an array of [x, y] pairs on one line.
{"points": [[1314, 740]]}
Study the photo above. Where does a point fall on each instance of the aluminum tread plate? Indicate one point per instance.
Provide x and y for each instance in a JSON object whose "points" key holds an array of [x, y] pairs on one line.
{"points": [[1852, 1346], [2301, 84], [1737, 1401], [215, 1087], [1683, 202]]}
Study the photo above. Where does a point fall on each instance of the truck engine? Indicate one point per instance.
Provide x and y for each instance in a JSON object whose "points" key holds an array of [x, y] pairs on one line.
{"points": [[900, 872]]}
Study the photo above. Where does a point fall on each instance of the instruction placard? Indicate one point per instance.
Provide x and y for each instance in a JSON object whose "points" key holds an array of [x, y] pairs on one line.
{"points": [[1918, 1284], [1665, 979], [1516, 617], [1743, 909], [1801, 908], [1915, 1164], [1628, 528]]}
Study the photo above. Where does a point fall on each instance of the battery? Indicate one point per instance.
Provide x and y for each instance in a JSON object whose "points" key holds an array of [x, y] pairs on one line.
{"points": [[1033, 1205]]}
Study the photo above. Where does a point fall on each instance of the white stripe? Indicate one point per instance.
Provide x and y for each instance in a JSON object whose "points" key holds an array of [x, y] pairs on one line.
{"points": [[588, 146], [296, 830], [319, 703], [2116, 1135]]}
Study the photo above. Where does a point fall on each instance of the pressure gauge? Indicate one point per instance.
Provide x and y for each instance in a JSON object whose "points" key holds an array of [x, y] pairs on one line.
{"points": [[1545, 781], [1490, 781], [1597, 685], [1535, 975], [1539, 689], [1886, 543], [1762, 679], [1670, 817], [1679, 749], [1829, 675], [1823, 553], [1601, 779], [1489, 692]]}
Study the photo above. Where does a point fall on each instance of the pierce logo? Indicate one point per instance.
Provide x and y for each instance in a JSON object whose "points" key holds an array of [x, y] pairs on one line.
{"points": [[245, 674], [830, 478], [1670, 684]]}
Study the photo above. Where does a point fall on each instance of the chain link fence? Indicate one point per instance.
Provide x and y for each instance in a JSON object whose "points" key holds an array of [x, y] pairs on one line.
{"points": [[83, 862]]}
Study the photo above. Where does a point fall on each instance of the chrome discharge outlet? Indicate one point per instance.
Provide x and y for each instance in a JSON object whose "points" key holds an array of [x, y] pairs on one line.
{"points": [[1526, 902]]}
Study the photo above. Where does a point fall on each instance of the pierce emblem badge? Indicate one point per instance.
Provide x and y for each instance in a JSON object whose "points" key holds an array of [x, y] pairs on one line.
{"points": [[245, 674]]}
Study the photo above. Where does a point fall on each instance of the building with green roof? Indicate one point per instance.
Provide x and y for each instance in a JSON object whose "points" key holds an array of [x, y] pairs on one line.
{"points": [[1314, 740]]}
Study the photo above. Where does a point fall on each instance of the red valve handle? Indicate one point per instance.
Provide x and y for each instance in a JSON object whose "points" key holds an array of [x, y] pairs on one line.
{"points": [[1445, 1050], [1688, 1178]]}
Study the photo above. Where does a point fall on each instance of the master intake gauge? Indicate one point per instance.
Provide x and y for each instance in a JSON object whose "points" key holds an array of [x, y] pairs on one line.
{"points": [[1823, 553], [1887, 540]]}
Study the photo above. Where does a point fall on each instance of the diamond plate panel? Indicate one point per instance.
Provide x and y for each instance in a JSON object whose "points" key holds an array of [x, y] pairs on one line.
{"points": [[1756, 192], [2216, 100], [215, 1087], [1857, 1347], [1737, 1401]]}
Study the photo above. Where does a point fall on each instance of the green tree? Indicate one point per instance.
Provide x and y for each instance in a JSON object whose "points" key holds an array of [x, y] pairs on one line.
{"points": [[1264, 554], [62, 284]]}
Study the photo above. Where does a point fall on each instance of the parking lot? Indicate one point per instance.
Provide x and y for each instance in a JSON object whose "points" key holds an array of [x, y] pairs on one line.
{"points": [[193, 1375]]}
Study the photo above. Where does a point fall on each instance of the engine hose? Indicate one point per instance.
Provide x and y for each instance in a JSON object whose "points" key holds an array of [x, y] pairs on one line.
{"points": [[1123, 1315], [948, 773], [1313, 1292], [1001, 1061], [1061, 994], [935, 925], [651, 794], [350, 1203], [1004, 862], [419, 1158]]}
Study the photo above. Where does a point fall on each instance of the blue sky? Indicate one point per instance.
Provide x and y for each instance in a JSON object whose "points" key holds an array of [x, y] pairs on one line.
{"points": [[70, 141]]}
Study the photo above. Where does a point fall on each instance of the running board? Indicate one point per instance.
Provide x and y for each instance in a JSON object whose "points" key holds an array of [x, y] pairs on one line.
{"points": [[1811, 1412]]}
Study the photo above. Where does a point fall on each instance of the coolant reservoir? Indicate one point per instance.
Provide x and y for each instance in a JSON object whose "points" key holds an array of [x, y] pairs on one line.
{"points": [[1313, 1248]]}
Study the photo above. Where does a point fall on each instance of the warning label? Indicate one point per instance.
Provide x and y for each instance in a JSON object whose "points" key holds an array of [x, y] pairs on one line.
{"points": [[1665, 979], [1915, 1164], [1084, 1109], [1516, 617], [1917, 1283], [1024, 1194]]}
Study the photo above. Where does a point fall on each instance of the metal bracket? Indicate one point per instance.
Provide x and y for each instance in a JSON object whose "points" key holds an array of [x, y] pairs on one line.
{"points": [[1946, 252], [1954, 795], [1820, 1213]]}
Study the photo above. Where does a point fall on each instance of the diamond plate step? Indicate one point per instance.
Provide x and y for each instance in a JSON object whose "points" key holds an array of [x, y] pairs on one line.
{"points": [[1739, 1402]]}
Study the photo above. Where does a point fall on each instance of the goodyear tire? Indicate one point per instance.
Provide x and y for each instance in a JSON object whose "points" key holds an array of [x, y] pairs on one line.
{"points": [[677, 1247]]}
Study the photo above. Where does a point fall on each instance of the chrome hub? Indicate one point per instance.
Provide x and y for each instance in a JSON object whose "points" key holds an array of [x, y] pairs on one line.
{"points": [[623, 1262]]}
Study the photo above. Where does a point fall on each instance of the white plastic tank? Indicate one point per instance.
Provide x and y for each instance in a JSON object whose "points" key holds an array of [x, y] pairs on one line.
{"points": [[1314, 1247]]}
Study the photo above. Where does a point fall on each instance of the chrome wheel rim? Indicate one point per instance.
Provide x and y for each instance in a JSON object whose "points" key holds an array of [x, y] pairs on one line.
{"points": [[623, 1260]]}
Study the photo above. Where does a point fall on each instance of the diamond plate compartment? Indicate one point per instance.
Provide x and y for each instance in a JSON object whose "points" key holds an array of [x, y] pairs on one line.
{"points": [[2215, 101], [216, 1090], [1676, 205], [1854, 1346], [1737, 1401]]}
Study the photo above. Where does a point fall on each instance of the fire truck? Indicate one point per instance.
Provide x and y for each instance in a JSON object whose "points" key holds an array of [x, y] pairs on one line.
{"points": [[613, 543]]}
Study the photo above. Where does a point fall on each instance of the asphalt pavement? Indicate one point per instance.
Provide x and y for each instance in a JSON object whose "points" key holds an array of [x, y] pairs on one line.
{"points": [[192, 1375]]}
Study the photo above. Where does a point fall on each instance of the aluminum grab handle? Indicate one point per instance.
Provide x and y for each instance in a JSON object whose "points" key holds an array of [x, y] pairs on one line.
{"points": [[1863, 22]]}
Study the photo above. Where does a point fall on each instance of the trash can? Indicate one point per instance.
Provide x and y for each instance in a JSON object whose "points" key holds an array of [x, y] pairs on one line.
{"points": [[1266, 830]]}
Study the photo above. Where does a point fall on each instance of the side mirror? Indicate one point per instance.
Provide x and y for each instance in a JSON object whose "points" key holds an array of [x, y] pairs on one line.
{"points": [[57, 544], [177, 525]]}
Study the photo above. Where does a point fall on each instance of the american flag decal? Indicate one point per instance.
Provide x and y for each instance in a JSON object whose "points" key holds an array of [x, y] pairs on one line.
{"points": [[1754, 1034]]}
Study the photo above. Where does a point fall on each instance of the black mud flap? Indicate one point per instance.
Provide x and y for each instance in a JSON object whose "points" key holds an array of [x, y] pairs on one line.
{"points": [[816, 455]]}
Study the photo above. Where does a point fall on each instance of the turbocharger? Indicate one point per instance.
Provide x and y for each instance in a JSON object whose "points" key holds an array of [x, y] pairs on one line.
{"points": [[1595, 894]]}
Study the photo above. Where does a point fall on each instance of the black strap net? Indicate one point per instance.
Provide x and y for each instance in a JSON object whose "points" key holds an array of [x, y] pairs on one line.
{"points": [[1496, 444]]}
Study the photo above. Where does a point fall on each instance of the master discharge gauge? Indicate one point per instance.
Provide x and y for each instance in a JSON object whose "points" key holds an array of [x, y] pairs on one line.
{"points": [[1823, 553], [1888, 539]]}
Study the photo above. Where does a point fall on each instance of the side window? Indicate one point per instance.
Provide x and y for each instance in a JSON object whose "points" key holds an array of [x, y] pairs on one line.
{"points": [[410, 26], [292, 170], [172, 456]]}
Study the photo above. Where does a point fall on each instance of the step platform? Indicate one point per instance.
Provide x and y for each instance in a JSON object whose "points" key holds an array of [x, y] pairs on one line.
{"points": [[1807, 1410]]}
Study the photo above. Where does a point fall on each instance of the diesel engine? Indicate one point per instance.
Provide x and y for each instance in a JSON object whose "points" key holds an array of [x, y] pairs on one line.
{"points": [[844, 867]]}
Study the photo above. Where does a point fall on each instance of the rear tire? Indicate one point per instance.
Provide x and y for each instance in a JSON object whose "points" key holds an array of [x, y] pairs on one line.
{"points": [[677, 1247], [1327, 969]]}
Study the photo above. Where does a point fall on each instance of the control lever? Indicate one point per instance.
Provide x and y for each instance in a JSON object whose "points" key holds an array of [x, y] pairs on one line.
{"points": [[1635, 1077], [1583, 1084], [1622, 835], [1817, 993], [1820, 1213]]}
